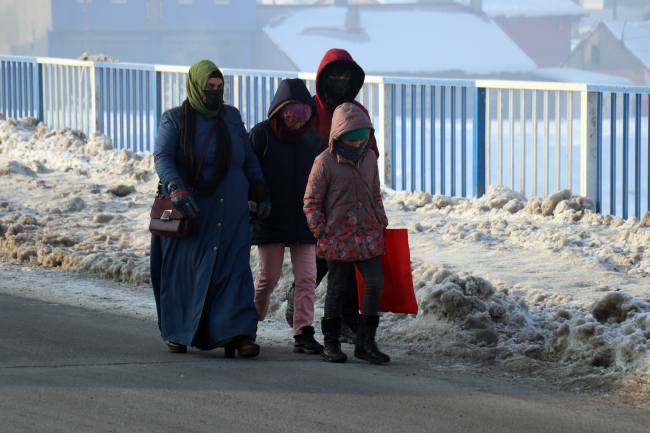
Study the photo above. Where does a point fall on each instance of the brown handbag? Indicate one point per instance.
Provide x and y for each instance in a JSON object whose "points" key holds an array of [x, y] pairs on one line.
{"points": [[166, 220]]}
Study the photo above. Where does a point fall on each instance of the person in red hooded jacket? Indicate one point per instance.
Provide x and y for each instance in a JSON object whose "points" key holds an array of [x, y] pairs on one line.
{"points": [[338, 80]]}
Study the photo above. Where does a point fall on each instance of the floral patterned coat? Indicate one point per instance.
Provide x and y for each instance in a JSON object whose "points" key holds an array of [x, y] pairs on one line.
{"points": [[343, 199]]}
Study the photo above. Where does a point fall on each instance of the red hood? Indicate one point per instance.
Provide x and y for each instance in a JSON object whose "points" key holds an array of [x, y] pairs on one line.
{"points": [[332, 55], [337, 55]]}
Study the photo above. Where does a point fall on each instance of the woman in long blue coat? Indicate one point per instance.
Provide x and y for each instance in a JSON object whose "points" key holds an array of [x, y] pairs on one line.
{"points": [[203, 283]]}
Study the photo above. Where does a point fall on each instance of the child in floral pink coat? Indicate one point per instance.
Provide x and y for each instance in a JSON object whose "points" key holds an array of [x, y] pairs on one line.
{"points": [[346, 214]]}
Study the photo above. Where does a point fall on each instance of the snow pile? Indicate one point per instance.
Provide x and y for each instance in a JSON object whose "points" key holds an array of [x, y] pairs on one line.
{"points": [[102, 58], [506, 217], [68, 206], [470, 317]]}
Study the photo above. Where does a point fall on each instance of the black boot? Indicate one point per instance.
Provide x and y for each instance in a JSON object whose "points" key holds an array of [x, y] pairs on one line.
{"points": [[349, 328], [305, 342], [366, 347], [289, 314], [332, 350]]}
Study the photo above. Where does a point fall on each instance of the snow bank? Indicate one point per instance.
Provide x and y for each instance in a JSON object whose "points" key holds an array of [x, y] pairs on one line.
{"points": [[97, 58], [526, 327], [507, 217], [68, 205], [471, 318]]}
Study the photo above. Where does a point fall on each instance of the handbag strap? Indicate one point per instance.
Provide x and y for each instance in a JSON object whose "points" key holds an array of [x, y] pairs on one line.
{"points": [[198, 169]]}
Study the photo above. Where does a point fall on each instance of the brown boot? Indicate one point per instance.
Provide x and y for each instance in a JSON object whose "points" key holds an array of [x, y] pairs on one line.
{"points": [[245, 347]]}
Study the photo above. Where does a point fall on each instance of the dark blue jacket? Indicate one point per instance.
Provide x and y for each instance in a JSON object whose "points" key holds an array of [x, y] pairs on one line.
{"points": [[286, 169]]}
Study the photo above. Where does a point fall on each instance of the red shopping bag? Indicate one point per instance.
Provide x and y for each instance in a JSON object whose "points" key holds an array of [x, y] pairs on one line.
{"points": [[398, 295]]}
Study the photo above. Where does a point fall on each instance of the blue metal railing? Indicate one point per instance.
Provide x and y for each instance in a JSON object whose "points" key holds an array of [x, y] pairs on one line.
{"points": [[20, 85], [422, 125]]}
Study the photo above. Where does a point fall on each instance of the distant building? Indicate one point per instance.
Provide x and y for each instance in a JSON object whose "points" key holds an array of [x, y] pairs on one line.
{"points": [[428, 40], [24, 26], [615, 48], [177, 32], [541, 28]]}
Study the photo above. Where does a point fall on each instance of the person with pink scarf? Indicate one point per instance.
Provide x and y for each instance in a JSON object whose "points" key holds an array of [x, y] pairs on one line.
{"points": [[286, 145]]}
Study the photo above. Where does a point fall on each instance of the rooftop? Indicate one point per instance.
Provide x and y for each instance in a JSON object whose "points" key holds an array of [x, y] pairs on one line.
{"points": [[394, 41]]}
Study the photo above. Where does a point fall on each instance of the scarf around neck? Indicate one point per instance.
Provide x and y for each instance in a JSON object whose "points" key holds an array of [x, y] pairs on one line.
{"points": [[350, 152], [288, 135], [191, 160]]}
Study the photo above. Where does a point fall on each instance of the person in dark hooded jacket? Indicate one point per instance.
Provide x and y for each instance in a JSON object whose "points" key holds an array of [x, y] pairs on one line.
{"points": [[338, 80], [286, 145]]}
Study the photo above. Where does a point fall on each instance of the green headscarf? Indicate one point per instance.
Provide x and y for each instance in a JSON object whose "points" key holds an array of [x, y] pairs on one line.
{"points": [[197, 78]]}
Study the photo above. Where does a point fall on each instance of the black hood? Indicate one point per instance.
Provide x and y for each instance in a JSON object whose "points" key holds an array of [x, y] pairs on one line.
{"points": [[291, 90]]}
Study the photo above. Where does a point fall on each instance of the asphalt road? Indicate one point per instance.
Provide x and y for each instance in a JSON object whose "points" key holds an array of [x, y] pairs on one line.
{"points": [[65, 369]]}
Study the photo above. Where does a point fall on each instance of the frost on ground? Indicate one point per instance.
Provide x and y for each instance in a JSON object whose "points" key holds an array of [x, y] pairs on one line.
{"points": [[530, 284]]}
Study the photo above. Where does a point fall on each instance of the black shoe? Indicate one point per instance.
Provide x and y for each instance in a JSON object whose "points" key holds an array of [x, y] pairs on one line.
{"points": [[349, 328], [366, 347], [289, 314], [305, 342], [332, 350]]}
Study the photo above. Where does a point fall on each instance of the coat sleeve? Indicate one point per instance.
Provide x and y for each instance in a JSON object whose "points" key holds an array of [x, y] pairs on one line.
{"points": [[251, 165], [166, 149], [376, 196], [259, 140], [314, 199]]}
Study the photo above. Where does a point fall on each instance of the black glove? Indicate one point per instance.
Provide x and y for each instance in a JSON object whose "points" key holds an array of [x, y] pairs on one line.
{"points": [[181, 199], [263, 209], [258, 190]]}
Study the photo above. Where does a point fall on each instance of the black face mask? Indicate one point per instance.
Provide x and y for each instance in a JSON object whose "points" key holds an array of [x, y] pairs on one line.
{"points": [[338, 87], [213, 99]]}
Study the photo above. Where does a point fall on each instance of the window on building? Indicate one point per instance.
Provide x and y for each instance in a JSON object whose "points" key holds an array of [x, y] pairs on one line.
{"points": [[595, 55]]}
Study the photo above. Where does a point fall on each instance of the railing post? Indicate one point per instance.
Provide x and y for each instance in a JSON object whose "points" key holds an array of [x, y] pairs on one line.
{"points": [[599, 144], [38, 92], [384, 135], [95, 99], [157, 103], [589, 145], [479, 141]]}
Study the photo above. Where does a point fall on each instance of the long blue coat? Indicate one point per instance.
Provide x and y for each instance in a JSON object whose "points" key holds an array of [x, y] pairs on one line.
{"points": [[203, 283]]}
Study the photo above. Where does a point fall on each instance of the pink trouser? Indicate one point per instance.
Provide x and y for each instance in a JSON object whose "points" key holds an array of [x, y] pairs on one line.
{"points": [[303, 259]]}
